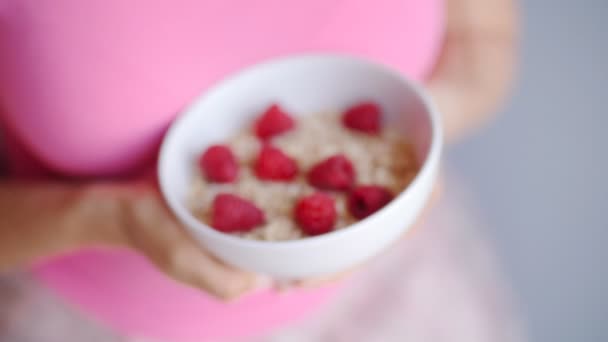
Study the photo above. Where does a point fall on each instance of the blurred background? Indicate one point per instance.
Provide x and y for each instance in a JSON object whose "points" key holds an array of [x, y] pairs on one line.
{"points": [[539, 172]]}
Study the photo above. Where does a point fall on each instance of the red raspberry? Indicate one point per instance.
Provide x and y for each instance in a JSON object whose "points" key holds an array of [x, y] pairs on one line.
{"points": [[273, 164], [274, 121], [334, 173], [219, 164], [366, 200], [364, 117], [316, 214], [234, 214]]}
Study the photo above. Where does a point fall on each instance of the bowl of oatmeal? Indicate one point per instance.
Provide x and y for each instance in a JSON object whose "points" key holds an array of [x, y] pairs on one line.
{"points": [[302, 166]]}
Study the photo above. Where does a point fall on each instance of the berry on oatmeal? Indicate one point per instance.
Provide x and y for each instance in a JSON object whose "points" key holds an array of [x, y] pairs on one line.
{"points": [[231, 213], [364, 117], [273, 122], [219, 164], [272, 164], [333, 173], [279, 173], [316, 214], [367, 199]]}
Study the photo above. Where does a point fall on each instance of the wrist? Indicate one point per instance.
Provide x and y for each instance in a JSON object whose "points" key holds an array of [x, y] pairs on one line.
{"points": [[98, 214]]}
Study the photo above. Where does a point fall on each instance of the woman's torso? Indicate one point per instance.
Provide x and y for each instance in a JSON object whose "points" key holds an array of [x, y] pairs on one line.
{"points": [[88, 88]]}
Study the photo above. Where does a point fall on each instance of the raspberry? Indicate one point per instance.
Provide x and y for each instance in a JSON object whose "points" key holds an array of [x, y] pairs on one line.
{"points": [[219, 164], [366, 200], [334, 173], [316, 214], [364, 117], [273, 164], [234, 214], [274, 121]]}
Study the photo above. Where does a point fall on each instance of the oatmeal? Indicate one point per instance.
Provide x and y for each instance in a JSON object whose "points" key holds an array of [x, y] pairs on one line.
{"points": [[380, 159]]}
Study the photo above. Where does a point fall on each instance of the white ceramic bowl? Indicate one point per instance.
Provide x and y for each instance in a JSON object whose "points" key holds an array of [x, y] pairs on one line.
{"points": [[304, 85]]}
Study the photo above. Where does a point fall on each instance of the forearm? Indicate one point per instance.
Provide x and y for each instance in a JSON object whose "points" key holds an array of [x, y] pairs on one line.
{"points": [[475, 69], [44, 219]]}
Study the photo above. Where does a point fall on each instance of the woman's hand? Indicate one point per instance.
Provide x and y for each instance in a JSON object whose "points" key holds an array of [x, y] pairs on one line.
{"points": [[149, 227], [37, 220]]}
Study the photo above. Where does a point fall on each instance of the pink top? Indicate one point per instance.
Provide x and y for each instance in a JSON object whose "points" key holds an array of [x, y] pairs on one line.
{"points": [[87, 89]]}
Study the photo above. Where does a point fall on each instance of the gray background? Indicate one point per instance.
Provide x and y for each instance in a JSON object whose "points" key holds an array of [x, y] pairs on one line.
{"points": [[539, 172]]}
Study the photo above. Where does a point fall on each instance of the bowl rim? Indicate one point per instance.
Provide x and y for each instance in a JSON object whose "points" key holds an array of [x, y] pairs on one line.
{"points": [[192, 223]]}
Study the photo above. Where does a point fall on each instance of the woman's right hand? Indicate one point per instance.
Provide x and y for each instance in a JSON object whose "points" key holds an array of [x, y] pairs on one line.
{"points": [[42, 219], [150, 228]]}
